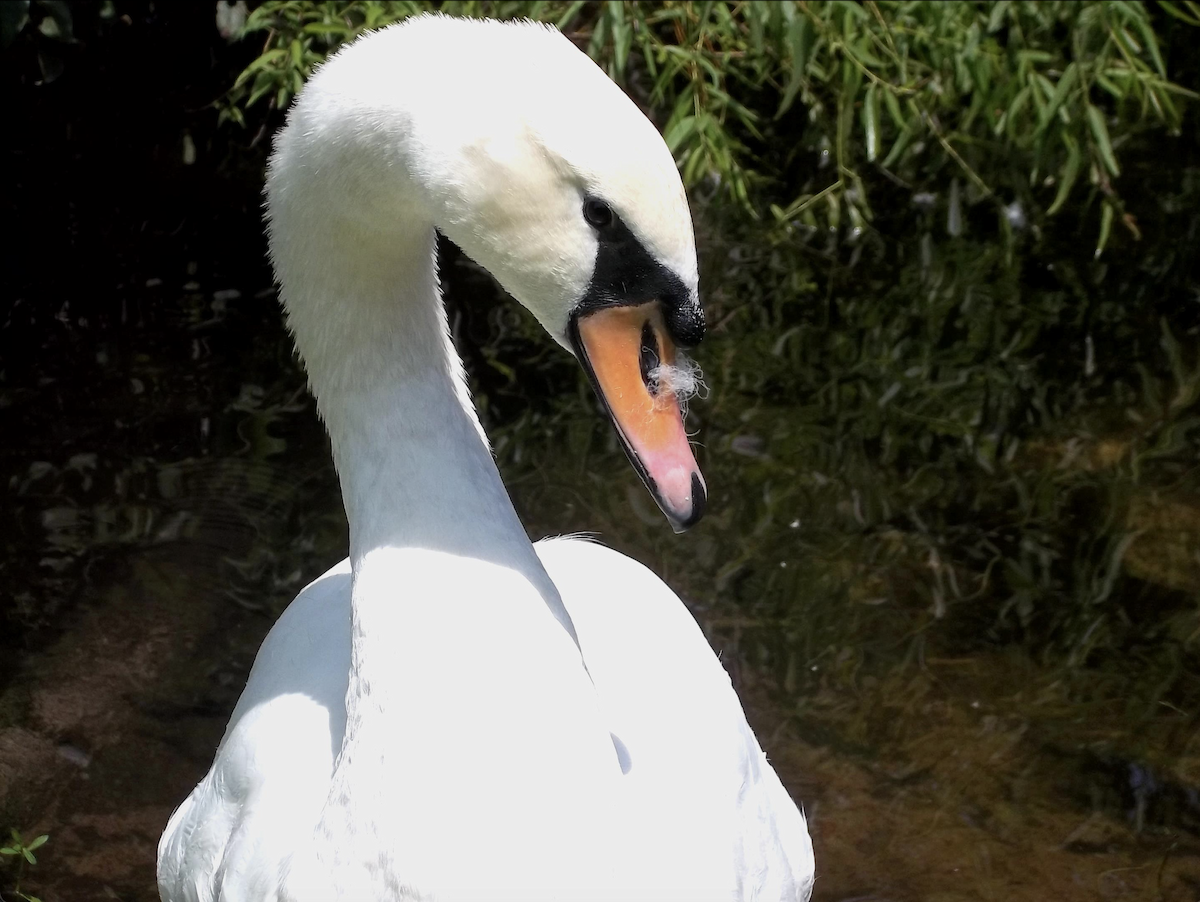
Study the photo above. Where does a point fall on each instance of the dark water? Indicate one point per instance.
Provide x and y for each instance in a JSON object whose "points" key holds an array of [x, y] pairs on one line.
{"points": [[167, 489]]}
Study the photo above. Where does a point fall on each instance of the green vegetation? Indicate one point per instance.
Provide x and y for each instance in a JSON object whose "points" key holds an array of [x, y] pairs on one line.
{"points": [[1021, 93], [21, 852], [949, 264]]}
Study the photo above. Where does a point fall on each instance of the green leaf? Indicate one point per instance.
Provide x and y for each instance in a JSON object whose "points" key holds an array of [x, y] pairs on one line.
{"points": [[325, 29], [1106, 218], [801, 36], [263, 85], [1068, 175], [39, 842], [1009, 122], [261, 63], [757, 15], [1108, 85], [1148, 38], [1172, 88], [901, 144], [679, 131], [599, 36], [29, 856], [1166, 106], [862, 51], [1061, 90], [1043, 90], [622, 39], [1100, 134], [569, 16], [258, 19], [9, 850], [1126, 40], [893, 107], [852, 78], [870, 116], [853, 10], [996, 19], [1178, 13]]}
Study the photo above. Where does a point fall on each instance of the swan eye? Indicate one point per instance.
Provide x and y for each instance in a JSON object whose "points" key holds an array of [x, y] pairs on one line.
{"points": [[598, 213]]}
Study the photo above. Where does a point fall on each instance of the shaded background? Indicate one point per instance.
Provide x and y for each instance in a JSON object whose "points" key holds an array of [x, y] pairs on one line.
{"points": [[952, 559]]}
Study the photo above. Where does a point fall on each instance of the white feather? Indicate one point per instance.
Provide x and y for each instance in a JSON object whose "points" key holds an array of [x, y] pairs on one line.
{"points": [[454, 713], [680, 381]]}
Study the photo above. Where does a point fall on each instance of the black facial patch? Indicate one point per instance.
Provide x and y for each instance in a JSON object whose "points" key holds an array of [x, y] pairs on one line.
{"points": [[626, 274]]}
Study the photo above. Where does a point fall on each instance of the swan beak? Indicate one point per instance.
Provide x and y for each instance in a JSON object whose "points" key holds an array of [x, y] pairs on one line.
{"points": [[620, 349]]}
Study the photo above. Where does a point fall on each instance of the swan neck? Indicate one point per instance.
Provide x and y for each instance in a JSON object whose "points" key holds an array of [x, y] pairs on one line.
{"points": [[411, 455], [353, 241]]}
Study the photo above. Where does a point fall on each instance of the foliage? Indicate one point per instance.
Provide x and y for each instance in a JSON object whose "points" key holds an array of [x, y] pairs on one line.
{"points": [[22, 852], [1036, 95]]}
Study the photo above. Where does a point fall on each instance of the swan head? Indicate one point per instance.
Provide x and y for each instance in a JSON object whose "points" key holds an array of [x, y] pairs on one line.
{"points": [[518, 148]]}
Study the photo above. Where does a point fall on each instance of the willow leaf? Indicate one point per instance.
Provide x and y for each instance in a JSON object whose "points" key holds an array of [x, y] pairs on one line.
{"points": [[870, 116], [801, 35], [1100, 134], [1068, 175], [1061, 90], [1106, 217]]}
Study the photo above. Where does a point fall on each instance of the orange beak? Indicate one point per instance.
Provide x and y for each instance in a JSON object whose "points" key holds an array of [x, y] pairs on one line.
{"points": [[620, 348]]}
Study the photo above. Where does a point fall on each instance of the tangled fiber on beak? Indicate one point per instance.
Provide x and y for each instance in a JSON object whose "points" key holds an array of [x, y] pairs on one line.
{"points": [[680, 381]]}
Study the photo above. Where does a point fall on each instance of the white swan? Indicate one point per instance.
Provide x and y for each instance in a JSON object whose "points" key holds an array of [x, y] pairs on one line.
{"points": [[454, 713]]}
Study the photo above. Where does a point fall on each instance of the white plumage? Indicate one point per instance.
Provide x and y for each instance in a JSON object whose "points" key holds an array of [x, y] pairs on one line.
{"points": [[454, 713]]}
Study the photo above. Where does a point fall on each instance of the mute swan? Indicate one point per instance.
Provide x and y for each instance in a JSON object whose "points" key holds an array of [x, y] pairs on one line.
{"points": [[453, 712]]}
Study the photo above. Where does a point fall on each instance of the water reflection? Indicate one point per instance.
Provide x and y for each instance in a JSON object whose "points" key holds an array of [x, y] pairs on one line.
{"points": [[187, 495]]}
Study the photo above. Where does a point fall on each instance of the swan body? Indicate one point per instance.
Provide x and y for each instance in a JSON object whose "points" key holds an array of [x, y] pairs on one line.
{"points": [[454, 713]]}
